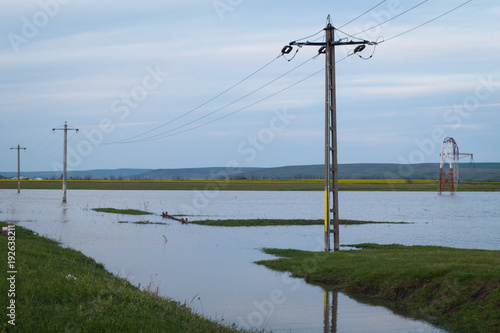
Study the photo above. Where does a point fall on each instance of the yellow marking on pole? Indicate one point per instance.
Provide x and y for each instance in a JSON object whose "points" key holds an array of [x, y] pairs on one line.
{"points": [[326, 211]]}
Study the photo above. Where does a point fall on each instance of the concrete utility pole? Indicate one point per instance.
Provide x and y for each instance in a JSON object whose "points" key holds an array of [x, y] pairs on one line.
{"points": [[331, 176], [18, 167], [65, 129]]}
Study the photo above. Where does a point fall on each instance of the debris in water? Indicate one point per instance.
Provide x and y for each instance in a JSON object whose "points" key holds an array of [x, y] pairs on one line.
{"points": [[166, 216]]}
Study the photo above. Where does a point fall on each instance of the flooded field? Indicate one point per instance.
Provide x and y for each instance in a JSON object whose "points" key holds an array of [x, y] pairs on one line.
{"points": [[212, 269]]}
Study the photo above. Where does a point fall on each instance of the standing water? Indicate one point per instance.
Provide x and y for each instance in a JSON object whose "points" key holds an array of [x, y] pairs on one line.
{"points": [[212, 268]]}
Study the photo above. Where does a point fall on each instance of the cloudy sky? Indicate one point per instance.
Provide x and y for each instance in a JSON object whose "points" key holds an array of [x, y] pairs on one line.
{"points": [[197, 83]]}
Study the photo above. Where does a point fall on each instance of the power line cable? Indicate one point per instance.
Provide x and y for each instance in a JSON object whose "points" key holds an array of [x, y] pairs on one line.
{"points": [[199, 106], [246, 107], [41, 142], [352, 36], [427, 22], [39, 151], [58, 149], [224, 107], [220, 94], [357, 17], [350, 54], [305, 38], [241, 109], [162, 135], [392, 18]]}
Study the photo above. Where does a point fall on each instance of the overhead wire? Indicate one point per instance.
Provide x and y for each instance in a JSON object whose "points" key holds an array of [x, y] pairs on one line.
{"points": [[41, 143], [160, 135], [199, 106], [359, 16], [165, 134], [40, 152], [427, 22], [51, 153], [348, 55], [345, 24], [305, 38], [392, 18], [352, 36], [130, 139], [252, 104]]}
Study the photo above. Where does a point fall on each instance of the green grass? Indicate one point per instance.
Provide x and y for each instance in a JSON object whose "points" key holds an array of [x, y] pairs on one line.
{"points": [[49, 300], [457, 289], [122, 211], [275, 222]]}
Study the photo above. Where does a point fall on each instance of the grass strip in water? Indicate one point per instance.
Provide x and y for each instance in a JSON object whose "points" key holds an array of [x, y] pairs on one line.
{"points": [[458, 289], [275, 222], [122, 211], [60, 290]]}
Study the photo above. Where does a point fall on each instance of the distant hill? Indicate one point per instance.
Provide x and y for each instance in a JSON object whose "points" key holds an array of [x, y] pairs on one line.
{"points": [[193, 173], [468, 172]]}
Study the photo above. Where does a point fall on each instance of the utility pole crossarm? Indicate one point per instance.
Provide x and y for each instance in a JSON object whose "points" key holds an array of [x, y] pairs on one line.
{"points": [[364, 42]]}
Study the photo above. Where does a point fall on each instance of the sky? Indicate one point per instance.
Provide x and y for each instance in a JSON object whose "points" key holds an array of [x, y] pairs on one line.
{"points": [[202, 83]]}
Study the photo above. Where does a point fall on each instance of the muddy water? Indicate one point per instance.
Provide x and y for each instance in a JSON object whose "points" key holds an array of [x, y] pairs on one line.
{"points": [[212, 269]]}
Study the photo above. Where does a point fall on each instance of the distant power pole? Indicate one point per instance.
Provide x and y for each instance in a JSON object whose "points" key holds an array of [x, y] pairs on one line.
{"points": [[65, 129], [331, 176], [18, 167]]}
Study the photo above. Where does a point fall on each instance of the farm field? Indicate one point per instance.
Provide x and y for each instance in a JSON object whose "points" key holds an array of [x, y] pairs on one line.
{"points": [[250, 185]]}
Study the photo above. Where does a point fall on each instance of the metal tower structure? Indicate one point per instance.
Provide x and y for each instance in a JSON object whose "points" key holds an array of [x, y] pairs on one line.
{"points": [[450, 155]]}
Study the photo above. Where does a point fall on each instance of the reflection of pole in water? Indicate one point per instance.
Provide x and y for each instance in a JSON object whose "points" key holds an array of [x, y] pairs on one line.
{"points": [[330, 312], [64, 215]]}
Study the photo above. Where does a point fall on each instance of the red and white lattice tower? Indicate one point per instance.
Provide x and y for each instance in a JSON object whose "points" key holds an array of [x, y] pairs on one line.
{"points": [[449, 155]]}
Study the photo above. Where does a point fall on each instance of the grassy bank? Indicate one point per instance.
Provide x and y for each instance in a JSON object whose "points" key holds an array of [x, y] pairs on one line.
{"points": [[274, 222], [454, 288], [249, 185], [61, 290]]}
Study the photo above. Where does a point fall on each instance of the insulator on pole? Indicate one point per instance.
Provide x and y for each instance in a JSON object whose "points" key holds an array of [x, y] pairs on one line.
{"points": [[359, 48], [286, 49]]}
